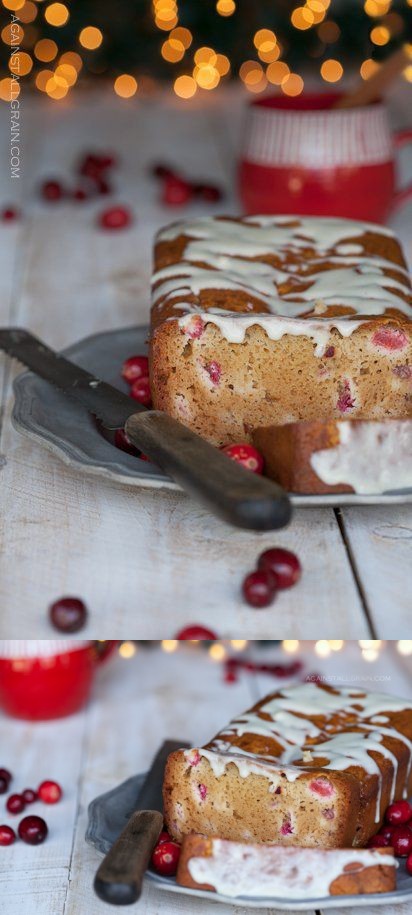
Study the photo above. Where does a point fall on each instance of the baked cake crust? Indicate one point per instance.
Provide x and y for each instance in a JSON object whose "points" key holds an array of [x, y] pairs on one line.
{"points": [[308, 765], [269, 320]]}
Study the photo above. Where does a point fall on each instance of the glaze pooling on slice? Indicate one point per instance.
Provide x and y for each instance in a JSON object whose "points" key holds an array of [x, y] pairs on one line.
{"points": [[371, 457]]}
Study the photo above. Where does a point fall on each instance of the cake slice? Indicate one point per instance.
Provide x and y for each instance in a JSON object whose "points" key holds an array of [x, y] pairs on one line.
{"points": [[308, 765], [275, 319], [326, 456], [238, 869]]}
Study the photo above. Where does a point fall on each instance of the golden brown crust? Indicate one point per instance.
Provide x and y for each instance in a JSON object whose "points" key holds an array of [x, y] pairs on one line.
{"points": [[287, 451]]}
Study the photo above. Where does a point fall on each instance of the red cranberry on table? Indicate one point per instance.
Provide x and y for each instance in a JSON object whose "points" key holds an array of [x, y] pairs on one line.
{"points": [[196, 632], [283, 564], [4, 786], [140, 390], [387, 833], [259, 588], [176, 191], [10, 214], [68, 614], [135, 367], [123, 442], [409, 864], [33, 830], [401, 841], [208, 192], [165, 858], [115, 218], [95, 164], [50, 792], [52, 190], [378, 841], [161, 170], [7, 835], [29, 796], [164, 837], [5, 779], [246, 455], [15, 803], [398, 813]]}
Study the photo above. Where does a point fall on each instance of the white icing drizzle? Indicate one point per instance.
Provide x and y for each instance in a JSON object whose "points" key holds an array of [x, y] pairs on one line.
{"points": [[289, 727], [372, 457], [358, 281], [234, 869]]}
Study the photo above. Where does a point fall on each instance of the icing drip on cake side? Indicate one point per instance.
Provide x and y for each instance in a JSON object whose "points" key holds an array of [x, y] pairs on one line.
{"points": [[370, 457]]}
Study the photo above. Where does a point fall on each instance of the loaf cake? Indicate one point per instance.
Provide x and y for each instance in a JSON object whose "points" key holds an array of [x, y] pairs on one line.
{"points": [[270, 320], [326, 456], [308, 765], [240, 869]]}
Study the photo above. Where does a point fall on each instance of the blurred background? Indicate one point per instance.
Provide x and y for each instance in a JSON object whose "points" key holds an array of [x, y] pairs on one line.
{"points": [[195, 46]]}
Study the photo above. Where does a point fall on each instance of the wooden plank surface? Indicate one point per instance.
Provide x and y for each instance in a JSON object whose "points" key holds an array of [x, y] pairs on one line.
{"points": [[150, 561]]}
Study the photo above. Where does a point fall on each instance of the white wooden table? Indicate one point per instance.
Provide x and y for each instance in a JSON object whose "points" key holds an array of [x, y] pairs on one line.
{"points": [[137, 704], [147, 562]]}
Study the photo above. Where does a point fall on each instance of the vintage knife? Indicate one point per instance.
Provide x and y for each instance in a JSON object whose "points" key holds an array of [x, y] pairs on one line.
{"points": [[238, 496], [120, 875]]}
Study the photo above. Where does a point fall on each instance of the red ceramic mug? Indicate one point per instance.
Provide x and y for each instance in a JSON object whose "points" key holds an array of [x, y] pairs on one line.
{"points": [[301, 155], [49, 678]]}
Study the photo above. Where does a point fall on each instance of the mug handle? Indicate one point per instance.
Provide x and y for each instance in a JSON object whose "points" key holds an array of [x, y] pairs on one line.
{"points": [[402, 138], [103, 652]]}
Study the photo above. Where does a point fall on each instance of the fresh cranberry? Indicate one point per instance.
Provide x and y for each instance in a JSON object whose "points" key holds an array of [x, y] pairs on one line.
{"points": [[84, 190], [140, 390], [176, 191], [50, 792], [29, 796], [164, 837], [196, 632], [402, 841], [52, 190], [123, 442], [378, 841], [259, 588], [135, 367], [330, 352], [208, 192], [7, 835], [5, 779], [246, 455], [387, 833], [398, 813], [33, 830], [10, 214], [165, 858], [15, 803], [68, 614], [103, 186], [409, 864], [115, 218], [160, 170], [94, 164], [283, 564], [4, 773]]}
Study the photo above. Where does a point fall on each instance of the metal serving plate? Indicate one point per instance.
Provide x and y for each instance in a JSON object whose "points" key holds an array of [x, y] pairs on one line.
{"points": [[63, 427], [109, 813]]}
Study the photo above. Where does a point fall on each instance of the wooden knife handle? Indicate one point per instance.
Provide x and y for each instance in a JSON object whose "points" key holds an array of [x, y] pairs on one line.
{"points": [[120, 875], [239, 496]]}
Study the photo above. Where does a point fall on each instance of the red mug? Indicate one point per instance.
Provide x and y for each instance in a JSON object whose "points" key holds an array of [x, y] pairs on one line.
{"points": [[49, 678], [302, 156]]}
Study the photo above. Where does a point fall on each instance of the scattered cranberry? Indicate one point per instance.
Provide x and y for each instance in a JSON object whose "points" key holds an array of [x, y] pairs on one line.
{"points": [[4, 773], [164, 837], [140, 390], [85, 189], [103, 186], [68, 614], [378, 841], [5, 779], [52, 190], [135, 367], [176, 191], [115, 218], [165, 858], [387, 833], [3, 786], [10, 214], [398, 813], [246, 455], [15, 803], [160, 170], [50, 792], [283, 564], [33, 830], [259, 588], [402, 841], [29, 796], [196, 632], [123, 442], [7, 835], [409, 864], [95, 164], [208, 192]]}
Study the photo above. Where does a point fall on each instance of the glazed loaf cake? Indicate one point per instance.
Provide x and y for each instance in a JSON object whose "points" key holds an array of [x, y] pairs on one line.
{"points": [[364, 456], [239, 869], [269, 320], [308, 765]]}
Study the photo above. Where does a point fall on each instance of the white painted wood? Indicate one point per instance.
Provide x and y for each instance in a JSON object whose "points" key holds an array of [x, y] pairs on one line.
{"points": [[150, 561]]}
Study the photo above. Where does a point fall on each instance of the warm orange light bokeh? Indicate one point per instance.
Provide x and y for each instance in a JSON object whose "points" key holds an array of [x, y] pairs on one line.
{"points": [[125, 86], [380, 35], [9, 89], [56, 14], [225, 7], [331, 71], [292, 84], [277, 72], [72, 58], [45, 50], [90, 37], [368, 67], [185, 86], [20, 63]]}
